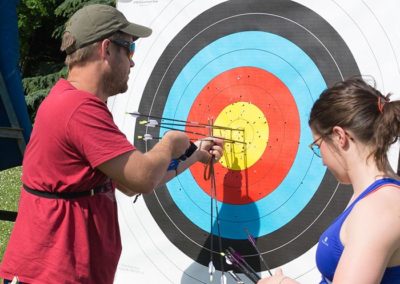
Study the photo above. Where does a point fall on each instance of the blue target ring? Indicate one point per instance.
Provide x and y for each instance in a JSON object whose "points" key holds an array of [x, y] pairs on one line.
{"points": [[299, 73], [267, 35]]}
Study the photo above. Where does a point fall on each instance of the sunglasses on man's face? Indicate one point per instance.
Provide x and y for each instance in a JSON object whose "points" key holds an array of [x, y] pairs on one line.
{"points": [[128, 45]]}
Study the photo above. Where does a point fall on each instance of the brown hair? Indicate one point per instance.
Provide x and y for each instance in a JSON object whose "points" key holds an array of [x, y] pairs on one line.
{"points": [[81, 55], [359, 107]]}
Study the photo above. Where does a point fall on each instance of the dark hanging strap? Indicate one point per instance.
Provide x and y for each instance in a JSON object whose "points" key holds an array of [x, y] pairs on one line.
{"points": [[69, 195], [8, 215]]}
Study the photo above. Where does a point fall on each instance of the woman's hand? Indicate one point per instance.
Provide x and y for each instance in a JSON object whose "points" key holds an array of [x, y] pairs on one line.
{"points": [[277, 278]]}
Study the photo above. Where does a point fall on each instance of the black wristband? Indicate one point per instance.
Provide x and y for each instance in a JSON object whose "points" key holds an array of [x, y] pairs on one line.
{"points": [[189, 152]]}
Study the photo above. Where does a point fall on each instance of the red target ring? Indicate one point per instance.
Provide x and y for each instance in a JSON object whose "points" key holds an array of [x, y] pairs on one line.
{"points": [[168, 94], [265, 92]]}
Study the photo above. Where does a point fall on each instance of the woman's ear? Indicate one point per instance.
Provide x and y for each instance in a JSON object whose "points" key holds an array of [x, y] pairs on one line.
{"points": [[339, 135]]}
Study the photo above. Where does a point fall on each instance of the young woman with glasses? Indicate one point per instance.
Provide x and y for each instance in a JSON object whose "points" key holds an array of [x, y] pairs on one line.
{"points": [[353, 125]]}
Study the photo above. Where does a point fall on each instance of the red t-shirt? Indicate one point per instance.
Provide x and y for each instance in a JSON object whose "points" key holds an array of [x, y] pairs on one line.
{"points": [[67, 241]]}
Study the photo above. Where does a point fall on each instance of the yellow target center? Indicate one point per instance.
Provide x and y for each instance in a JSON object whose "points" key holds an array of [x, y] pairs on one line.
{"points": [[248, 125]]}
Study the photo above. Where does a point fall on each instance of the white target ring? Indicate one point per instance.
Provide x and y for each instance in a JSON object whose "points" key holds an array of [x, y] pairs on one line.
{"points": [[148, 256]]}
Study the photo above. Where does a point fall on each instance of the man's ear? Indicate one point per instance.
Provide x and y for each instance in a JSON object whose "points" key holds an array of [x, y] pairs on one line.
{"points": [[105, 48]]}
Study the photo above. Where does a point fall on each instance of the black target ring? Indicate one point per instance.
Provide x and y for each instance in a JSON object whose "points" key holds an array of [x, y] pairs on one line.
{"points": [[316, 38]]}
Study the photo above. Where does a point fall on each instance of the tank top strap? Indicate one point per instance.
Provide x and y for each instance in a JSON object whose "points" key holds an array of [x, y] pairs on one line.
{"points": [[370, 189], [378, 184]]}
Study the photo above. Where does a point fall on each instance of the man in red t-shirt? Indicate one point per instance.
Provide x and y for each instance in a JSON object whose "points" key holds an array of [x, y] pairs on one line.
{"points": [[67, 227]]}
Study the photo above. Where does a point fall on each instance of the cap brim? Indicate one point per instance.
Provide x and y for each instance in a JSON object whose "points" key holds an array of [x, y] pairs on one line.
{"points": [[137, 30]]}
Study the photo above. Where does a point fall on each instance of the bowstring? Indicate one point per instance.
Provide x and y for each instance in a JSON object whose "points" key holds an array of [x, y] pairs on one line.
{"points": [[209, 174]]}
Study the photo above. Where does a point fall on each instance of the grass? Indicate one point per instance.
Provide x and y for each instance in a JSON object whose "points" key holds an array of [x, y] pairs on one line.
{"points": [[10, 183]]}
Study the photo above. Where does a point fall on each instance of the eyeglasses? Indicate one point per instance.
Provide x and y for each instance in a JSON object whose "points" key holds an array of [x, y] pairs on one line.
{"points": [[315, 147], [128, 45]]}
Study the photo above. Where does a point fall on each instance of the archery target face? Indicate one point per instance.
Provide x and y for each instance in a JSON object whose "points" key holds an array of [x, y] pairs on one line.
{"points": [[255, 67]]}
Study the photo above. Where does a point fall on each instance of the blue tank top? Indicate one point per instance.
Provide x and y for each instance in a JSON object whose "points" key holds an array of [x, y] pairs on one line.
{"points": [[330, 248]]}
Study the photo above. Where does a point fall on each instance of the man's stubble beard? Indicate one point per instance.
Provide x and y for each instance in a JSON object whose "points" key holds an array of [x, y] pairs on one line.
{"points": [[114, 83]]}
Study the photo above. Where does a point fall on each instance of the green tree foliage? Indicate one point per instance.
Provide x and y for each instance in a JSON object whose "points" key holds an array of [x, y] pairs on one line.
{"points": [[41, 24], [38, 49]]}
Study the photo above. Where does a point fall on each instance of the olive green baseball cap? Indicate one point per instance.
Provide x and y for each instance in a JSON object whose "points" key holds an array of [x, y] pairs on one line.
{"points": [[95, 22]]}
